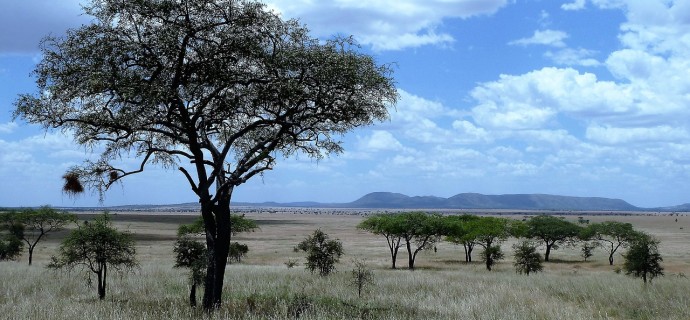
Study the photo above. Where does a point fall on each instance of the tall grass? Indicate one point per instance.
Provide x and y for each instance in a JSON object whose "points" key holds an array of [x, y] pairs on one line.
{"points": [[158, 291]]}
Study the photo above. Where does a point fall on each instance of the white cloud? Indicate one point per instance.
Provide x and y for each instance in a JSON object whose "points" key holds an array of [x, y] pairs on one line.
{"points": [[573, 57], [8, 127], [626, 136], [380, 141], [575, 5], [546, 37], [386, 24]]}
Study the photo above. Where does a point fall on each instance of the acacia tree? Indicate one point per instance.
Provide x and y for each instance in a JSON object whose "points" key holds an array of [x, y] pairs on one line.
{"points": [[383, 224], [36, 224], [191, 254], [552, 231], [419, 230], [94, 246], [488, 233], [643, 259], [225, 86], [611, 235], [459, 231]]}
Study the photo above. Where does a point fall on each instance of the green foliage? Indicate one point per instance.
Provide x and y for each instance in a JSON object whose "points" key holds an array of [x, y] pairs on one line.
{"points": [[611, 235], [527, 259], [33, 225], [643, 259], [10, 247], [491, 255], [95, 246], [552, 232], [458, 230], [322, 252], [237, 251], [191, 254], [384, 225], [587, 250], [226, 85]]}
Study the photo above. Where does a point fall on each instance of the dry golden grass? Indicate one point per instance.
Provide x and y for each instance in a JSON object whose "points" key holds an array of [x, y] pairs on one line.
{"points": [[443, 287]]}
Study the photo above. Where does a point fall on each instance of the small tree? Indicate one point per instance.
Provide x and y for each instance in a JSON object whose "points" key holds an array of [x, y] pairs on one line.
{"points": [[612, 235], [643, 259], [488, 233], [361, 276], [95, 246], [587, 250], [458, 230], [384, 225], [419, 230], [491, 255], [527, 259], [322, 252], [191, 254], [552, 231], [10, 247], [36, 224], [237, 251]]}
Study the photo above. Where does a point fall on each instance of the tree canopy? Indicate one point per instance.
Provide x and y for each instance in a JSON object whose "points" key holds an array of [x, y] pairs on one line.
{"points": [[643, 259], [36, 224], [384, 225], [94, 246], [552, 231], [217, 89], [611, 235]]}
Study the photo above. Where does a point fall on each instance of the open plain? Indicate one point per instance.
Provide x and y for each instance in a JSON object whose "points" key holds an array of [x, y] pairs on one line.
{"points": [[443, 286]]}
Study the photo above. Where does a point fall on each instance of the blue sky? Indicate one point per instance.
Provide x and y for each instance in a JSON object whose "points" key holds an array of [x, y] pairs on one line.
{"points": [[576, 97]]}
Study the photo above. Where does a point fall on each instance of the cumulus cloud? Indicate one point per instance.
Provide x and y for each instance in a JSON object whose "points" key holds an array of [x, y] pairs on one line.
{"points": [[385, 25], [575, 5], [616, 136], [546, 37], [8, 127], [573, 57], [381, 140]]}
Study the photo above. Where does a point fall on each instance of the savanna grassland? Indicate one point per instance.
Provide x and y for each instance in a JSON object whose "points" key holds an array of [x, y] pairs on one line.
{"points": [[442, 286]]}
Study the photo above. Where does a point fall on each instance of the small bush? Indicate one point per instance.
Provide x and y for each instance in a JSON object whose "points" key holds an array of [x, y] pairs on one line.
{"points": [[361, 276], [322, 252], [491, 255], [237, 251], [527, 259], [291, 263]]}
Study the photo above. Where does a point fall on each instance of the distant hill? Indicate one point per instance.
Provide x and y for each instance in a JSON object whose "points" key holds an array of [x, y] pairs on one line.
{"points": [[480, 201], [390, 200]]}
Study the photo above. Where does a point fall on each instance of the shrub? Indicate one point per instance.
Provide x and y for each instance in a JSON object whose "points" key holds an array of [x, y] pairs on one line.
{"points": [[527, 259], [361, 276], [491, 255], [643, 259], [237, 251], [322, 252]]}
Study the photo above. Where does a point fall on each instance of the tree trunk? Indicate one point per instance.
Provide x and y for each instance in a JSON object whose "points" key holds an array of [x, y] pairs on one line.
{"points": [[192, 295], [548, 252], [102, 274], [468, 252], [31, 254], [611, 259], [217, 224], [410, 257], [394, 256]]}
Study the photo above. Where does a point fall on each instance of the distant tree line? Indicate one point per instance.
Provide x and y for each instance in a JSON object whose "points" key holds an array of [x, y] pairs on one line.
{"points": [[418, 231]]}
